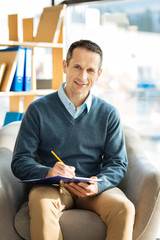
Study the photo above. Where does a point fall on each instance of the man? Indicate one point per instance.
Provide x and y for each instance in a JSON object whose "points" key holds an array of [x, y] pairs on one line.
{"points": [[86, 133]]}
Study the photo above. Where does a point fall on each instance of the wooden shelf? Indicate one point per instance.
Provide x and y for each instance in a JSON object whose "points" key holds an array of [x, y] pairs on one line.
{"points": [[32, 44], [40, 92], [52, 37]]}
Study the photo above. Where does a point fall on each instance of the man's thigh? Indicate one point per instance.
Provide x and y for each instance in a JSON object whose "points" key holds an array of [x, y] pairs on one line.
{"points": [[50, 194], [104, 203]]}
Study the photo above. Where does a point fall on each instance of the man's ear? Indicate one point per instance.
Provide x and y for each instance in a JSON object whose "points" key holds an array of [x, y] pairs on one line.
{"points": [[64, 66], [99, 73]]}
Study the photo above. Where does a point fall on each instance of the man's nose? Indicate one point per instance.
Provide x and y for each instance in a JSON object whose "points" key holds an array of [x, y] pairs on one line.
{"points": [[83, 75]]}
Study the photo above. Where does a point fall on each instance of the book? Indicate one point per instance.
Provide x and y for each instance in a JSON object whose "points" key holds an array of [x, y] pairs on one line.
{"points": [[2, 70], [52, 17], [12, 117], [17, 83], [9, 57], [27, 70], [58, 179]]}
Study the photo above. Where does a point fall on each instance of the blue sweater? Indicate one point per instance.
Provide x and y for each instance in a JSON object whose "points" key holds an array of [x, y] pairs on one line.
{"points": [[93, 143]]}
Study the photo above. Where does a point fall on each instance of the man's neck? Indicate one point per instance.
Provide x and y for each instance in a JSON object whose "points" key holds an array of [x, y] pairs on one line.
{"points": [[77, 100]]}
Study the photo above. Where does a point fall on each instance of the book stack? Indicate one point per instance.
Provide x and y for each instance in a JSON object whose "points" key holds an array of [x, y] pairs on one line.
{"points": [[15, 69]]}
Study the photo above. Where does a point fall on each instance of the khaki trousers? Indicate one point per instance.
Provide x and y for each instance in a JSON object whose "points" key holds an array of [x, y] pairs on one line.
{"points": [[46, 201]]}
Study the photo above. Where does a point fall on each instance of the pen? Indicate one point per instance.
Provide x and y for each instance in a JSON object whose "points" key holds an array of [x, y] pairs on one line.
{"points": [[58, 158]]}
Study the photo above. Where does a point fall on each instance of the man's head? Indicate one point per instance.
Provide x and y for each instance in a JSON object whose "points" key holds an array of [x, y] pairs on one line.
{"points": [[82, 69], [88, 45]]}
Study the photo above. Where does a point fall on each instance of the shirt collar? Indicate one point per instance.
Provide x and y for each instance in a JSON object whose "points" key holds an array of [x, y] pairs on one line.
{"points": [[65, 100]]}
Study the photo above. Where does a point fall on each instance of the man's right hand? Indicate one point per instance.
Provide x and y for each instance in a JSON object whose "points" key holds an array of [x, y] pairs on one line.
{"points": [[62, 170]]}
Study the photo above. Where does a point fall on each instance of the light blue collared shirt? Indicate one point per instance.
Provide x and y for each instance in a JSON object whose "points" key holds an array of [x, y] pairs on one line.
{"points": [[69, 105]]}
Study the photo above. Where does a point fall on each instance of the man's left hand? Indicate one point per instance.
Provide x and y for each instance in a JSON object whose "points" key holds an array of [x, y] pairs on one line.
{"points": [[83, 189]]}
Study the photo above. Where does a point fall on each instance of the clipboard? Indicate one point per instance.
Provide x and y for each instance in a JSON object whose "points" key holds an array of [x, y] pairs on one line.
{"points": [[58, 179]]}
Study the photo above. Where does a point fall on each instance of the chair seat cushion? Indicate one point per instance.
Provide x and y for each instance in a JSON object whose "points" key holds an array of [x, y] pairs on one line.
{"points": [[76, 224]]}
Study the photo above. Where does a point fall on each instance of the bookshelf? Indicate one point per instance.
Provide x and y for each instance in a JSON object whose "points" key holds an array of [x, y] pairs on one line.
{"points": [[52, 19]]}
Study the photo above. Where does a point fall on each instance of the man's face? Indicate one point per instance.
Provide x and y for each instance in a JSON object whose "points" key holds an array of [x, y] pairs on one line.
{"points": [[82, 71]]}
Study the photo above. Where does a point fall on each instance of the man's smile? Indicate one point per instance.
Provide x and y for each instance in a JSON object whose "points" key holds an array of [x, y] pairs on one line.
{"points": [[80, 84]]}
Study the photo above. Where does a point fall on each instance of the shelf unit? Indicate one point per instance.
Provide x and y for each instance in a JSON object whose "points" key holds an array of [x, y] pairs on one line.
{"points": [[17, 99]]}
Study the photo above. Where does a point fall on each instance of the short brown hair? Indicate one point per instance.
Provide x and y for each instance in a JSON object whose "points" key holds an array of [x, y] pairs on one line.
{"points": [[87, 44]]}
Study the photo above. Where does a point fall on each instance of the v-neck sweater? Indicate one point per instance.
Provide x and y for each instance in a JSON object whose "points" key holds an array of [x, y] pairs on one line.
{"points": [[93, 142]]}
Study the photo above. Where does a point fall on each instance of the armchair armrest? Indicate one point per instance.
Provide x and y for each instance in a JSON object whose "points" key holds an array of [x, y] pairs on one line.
{"points": [[142, 186], [12, 194], [8, 134]]}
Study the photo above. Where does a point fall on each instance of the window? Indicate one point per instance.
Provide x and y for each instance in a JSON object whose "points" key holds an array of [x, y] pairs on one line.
{"points": [[25, 9], [129, 34]]}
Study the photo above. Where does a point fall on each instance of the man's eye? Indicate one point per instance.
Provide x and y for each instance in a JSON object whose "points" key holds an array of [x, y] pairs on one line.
{"points": [[91, 70], [77, 67]]}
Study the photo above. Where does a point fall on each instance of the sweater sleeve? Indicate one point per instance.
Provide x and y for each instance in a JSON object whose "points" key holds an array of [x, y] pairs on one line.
{"points": [[115, 158], [25, 163]]}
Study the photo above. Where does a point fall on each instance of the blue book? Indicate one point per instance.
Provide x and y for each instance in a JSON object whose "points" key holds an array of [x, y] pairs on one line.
{"points": [[17, 84], [27, 70], [12, 117]]}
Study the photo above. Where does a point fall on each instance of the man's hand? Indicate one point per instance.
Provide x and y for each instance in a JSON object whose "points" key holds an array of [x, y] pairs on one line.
{"points": [[62, 170], [82, 189]]}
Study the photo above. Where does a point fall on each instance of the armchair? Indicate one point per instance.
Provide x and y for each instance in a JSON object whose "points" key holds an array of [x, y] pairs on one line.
{"points": [[141, 185]]}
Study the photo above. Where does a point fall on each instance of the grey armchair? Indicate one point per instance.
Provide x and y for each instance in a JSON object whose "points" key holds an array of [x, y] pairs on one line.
{"points": [[141, 185]]}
